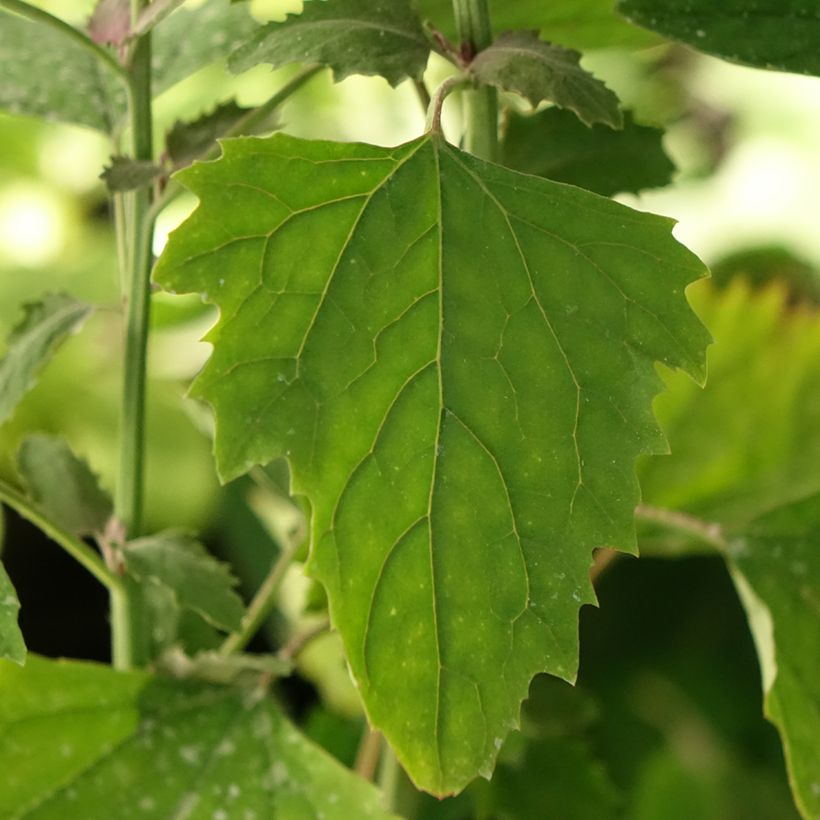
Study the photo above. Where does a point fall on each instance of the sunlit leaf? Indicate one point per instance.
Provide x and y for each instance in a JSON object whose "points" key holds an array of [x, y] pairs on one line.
{"points": [[458, 362], [518, 61], [91, 743], [553, 143], [45, 326], [63, 486], [776, 568], [198, 581], [781, 34], [12, 645], [351, 36]]}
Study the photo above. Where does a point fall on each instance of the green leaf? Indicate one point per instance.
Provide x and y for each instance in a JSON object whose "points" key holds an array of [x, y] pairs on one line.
{"points": [[581, 24], [776, 569], [12, 645], [382, 37], [188, 141], [554, 144], [45, 326], [88, 742], [45, 74], [126, 174], [518, 61], [199, 582], [476, 438], [63, 486], [775, 34]]}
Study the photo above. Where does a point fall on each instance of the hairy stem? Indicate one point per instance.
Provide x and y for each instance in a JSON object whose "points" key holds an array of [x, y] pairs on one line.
{"points": [[105, 57], [74, 546], [437, 102], [481, 104]]}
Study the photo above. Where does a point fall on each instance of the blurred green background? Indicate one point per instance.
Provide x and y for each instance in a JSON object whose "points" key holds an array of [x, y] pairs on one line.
{"points": [[666, 721]]}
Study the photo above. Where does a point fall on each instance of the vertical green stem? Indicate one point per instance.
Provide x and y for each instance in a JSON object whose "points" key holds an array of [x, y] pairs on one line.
{"points": [[480, 105], [126, 622]]}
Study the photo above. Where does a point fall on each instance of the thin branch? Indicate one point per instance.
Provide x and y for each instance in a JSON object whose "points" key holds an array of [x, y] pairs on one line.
{"points": [[367, 757], [40, 16], [708, 532], [152, 15], [436, 104], [300, 640], [604, 558], [74, 546]]}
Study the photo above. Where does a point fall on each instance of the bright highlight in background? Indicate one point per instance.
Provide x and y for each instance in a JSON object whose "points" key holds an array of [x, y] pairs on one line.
{"points": [[32, 226]]}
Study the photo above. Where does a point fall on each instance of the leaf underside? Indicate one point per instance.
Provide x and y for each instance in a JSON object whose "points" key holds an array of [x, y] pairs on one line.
{"points": [[779, 34], [776, 568], [457, 360], [88, 742]]}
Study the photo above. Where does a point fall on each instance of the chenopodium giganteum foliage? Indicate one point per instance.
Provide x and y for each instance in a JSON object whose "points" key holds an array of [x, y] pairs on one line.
{"points": [[458, 362]]}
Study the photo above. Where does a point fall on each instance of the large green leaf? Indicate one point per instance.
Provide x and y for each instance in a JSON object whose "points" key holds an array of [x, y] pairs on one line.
{"points": [[197, 580], [44, 327], [458, 362], [12, 645], [781, 34], [352, 36], [579, 24], [518, 61], [553, 143], [63, 486], [82, 741], [776, 568]]}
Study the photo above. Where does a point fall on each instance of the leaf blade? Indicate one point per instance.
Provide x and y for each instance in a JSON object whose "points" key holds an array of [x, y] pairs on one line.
{"points": [[399, 252], [12, 645]]}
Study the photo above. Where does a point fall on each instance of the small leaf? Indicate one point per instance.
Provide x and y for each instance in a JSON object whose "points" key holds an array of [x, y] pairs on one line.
{"points": [[126, 174], [351, 36], [12, 645], [774, 34], [45, 326], [499, 334], [200, 582], [188, 141], [63, 486], [776, 569], [110, 23], [554, 144], [79, 740], [518, 61]]}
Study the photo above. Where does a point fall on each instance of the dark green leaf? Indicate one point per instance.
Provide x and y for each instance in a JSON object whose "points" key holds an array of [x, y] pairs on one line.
{"points": [[126, 174], [45, 326], [382, 37], [87, 742], [476, 439], [63, 486], [555, 144], [199, 582], [776, 568], [518, 61], [188, 141], [12, 645], [779, 34], [580, 24], [45, 74]]}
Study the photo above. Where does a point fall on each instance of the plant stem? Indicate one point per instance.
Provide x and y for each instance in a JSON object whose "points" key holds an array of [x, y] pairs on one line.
{"points": [[293, 648], [367, 757], [389, 775], [706, 531], [262, 603], [74, 546], [437, 103], [481, 104], [40, 16]]}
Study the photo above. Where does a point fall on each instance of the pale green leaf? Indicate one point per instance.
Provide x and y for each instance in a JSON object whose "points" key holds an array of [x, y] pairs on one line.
{"points": [[63, 486], [12, 645], [126, 174], [199, 582], [518, 61], [778, 34], [382, 37], [45, 326], [83, 741], [553, 143], [458, 362], [581, 24], [776, 568]]}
